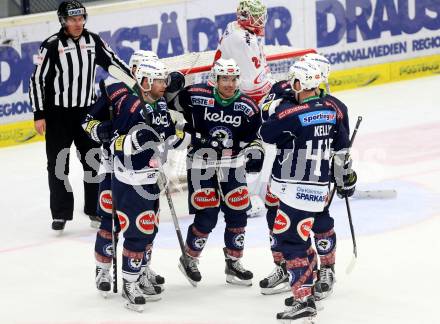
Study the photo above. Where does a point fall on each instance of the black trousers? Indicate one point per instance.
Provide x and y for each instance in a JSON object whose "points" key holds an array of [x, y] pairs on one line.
{"points": [[63, 126]]}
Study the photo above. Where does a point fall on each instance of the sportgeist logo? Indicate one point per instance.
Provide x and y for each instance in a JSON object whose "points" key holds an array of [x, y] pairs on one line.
{"points": [[318, 117], [202, 101], [221, 117]]}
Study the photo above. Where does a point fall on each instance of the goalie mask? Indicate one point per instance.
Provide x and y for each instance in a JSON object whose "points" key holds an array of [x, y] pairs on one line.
{"points": [[223, 67], [140, 56], [308, 75], [252, 15], [70, 9], [152, 70]]}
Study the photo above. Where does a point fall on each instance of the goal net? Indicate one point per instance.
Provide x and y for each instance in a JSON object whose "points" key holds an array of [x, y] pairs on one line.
{"points": [[196, 67]]}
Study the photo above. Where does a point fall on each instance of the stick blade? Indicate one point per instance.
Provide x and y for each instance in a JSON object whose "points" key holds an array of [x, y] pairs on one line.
{"points": [[351, 265], [375, 194]]}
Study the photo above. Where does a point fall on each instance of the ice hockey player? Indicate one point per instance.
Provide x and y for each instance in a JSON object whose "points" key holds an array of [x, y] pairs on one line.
{"points": [[323, 227], [305, 135], [98, 126], [243, 41], [223, 124], [139, 131]]}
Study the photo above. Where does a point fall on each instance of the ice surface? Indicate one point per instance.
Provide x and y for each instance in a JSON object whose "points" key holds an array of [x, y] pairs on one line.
{"points": [[48, 279]]}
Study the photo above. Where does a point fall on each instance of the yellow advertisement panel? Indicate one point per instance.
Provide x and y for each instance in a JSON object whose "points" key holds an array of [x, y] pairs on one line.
{"points": [[18, 133]]}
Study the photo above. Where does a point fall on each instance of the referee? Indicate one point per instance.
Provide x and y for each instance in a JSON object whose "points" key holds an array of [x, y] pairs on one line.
{"points": [[62, 88]]}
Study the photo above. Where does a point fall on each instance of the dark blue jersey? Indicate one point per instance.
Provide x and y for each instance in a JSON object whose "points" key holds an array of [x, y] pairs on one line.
{"points": [[235, 121], [283, 90], [131, 114], [305, 136]]}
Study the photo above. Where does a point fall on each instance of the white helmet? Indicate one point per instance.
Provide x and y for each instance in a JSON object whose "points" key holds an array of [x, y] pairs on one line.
{"points": [[321, 62], [252, 14], [307, 74], [224, 67], [151, 70], [141, 55]]}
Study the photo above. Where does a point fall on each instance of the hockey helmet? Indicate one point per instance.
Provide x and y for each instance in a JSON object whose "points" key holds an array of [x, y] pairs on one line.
{"points": [[224, 67], [70, 9], [152, 70], [308, 75], [321, 62], [140, 56]]}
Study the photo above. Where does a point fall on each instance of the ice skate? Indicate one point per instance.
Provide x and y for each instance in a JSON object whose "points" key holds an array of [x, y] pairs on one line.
{"points": [[276, 282], [236, 274], [325, 282], [153, 277], [150, 291], [190, 270], [58, 226], [134, 297], [103, 281], [299, 311], [95, 221]]}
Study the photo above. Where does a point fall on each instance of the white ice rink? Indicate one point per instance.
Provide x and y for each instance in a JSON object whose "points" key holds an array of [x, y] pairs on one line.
{"points": [[47, 279]]}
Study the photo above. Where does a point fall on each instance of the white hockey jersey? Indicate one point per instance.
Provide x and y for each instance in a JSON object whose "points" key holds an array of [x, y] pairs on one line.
{"points": [[247, 50]]}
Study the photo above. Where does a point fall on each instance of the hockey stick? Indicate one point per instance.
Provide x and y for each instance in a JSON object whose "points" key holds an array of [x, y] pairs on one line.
{"points": [[353, 136], [176, 223], [347, 204], [375, 194], [115, 220]]}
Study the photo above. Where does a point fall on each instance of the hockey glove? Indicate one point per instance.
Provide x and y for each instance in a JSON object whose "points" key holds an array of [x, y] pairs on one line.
{"points": [[100, 132], [175, 81], [344, 176], [145, 138], [254, 156], [214, 143], [349, 185]]}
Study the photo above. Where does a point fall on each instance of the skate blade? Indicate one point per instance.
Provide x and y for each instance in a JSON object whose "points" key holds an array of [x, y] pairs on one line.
{"points": [[319, 306], [238, 282], [306, 320], [322, 295], [152, 298], [104, 294], [192, 282], [58, 233], [134, 307], [283, 287]]}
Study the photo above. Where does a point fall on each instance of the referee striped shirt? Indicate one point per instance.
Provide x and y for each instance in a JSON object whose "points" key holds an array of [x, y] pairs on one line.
{"points": [[65, 71]]}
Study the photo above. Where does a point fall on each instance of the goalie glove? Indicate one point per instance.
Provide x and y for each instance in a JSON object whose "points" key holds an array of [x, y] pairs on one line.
{"points": [[100, 132], [254, 157], [344, 176]]}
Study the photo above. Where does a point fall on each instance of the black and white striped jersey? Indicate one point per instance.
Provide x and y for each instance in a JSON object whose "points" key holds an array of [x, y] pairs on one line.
{"points": [[65, 71]]}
